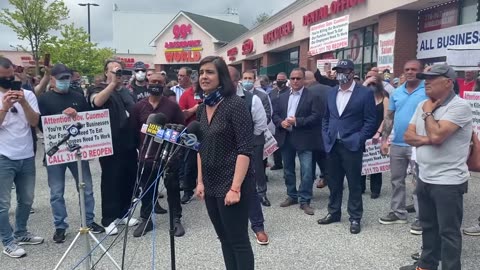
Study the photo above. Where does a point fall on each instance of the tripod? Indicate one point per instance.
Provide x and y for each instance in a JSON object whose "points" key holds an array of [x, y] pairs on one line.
{"points": [[84, 232]]}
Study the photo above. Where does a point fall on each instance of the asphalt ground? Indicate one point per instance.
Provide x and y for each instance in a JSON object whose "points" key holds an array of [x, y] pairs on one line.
{"points": [[296, 240]]}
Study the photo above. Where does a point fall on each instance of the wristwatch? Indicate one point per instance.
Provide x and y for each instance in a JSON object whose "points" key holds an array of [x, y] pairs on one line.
{"points": [[426, 114]]}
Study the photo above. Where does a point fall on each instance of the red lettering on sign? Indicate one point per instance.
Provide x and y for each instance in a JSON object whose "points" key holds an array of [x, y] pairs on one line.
{"points": [[183, 44], [247, 47], [279, 32], [181, 31], [328, 10], [232, 53], [183, 56]]}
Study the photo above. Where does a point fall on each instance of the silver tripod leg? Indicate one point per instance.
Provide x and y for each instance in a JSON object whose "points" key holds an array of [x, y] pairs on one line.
{"points": [[84, 231]]}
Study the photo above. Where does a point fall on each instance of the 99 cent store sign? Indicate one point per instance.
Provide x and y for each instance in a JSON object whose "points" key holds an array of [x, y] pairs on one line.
{"points": [[94, 137]]}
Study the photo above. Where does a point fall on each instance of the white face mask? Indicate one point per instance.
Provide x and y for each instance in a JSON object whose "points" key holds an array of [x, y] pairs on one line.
{"points": [[140, 76]]}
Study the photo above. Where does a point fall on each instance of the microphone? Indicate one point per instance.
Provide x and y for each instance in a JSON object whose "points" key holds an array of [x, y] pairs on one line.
{"points": [[157, 121], [171, 137], [187, 138], [73, 130]]}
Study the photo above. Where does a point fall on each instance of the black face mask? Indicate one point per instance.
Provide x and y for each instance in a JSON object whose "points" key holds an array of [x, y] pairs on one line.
{"points": [[6, 82], [156, 89], [281, 84]]}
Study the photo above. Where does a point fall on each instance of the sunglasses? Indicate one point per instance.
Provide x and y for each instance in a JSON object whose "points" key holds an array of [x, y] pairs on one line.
{"points": [[296, 78]]}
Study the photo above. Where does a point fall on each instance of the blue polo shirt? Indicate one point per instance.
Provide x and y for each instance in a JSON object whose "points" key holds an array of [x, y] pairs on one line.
{"points": [[404, 106]]}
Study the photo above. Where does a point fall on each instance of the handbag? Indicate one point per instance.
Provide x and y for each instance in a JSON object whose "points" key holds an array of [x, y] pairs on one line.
{"points": [[473, 161]]}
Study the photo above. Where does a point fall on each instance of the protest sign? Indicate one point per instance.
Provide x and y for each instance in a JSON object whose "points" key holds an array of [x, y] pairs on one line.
{"points": [[329, 36], [270, 145], [373, 160], [473, 98], [94, 137], [386, 45]]}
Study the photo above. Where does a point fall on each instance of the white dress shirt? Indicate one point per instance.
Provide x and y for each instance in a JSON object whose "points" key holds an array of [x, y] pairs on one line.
{"points": [[343, 96], [259, 116]]}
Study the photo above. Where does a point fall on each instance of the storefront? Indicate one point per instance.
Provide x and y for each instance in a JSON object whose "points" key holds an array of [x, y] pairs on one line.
{"points": [[380, 33], [190, 37]]}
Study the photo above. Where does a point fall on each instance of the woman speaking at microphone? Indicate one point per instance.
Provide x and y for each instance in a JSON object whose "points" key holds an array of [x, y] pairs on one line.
{"points": [[225, 174]]}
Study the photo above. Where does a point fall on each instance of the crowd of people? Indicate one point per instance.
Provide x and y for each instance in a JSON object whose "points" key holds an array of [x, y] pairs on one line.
{"points": [[419, 120]]}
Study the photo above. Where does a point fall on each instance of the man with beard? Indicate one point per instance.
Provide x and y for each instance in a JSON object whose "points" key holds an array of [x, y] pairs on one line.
{"points": [[139, 84], [157, 103]]}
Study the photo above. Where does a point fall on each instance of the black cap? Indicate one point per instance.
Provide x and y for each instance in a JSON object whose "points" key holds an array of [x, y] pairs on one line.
{"points": [[345, 64], [139, 65], [60, 70]]}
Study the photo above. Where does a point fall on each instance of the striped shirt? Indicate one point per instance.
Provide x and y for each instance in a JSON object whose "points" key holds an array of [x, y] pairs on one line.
{"points": [[178, 90]]}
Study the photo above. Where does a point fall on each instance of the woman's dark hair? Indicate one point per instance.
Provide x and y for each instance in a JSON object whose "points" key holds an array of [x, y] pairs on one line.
{"points": [[226, 84], [380, 89]]}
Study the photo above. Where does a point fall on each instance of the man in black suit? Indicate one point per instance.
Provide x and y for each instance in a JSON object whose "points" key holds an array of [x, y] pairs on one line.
{"points": [[296, 114], [348, 122], [274, 95]]}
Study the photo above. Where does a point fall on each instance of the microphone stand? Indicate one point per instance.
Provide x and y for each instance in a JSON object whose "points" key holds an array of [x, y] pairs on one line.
{"points": [[84, 232]]}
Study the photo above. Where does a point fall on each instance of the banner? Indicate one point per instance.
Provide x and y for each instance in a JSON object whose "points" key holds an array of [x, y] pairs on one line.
{"points": [[473, 98], [325, 65], [440, 17], [94, 137], [373, 160], [386, 44], [435, 43], [464, 57], [329, 36], [270, 145]]}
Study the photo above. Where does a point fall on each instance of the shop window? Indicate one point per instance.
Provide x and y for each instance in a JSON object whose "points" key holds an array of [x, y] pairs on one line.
{"points": [[470, 9], [294, 57]]}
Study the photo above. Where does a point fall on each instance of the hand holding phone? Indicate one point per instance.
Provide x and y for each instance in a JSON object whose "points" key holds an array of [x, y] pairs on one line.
{"points": [[46, 60]]}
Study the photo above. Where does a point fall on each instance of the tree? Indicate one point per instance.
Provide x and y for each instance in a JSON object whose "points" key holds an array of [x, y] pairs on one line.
{"points": [[74, 50], [261, 18], [32, 20]]}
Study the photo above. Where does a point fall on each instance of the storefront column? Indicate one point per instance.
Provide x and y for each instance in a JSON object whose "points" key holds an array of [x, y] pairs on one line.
{"points": [[159, 67], [247, 65], [404, 22], [269, 59], [303, 54]]}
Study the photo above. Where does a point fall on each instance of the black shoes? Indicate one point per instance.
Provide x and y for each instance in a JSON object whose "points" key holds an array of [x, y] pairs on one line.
{"points": [[265, 201], [355, 227], [179, 230], [158, 209], [328, 219], [143, 228], [186, 198], [59, 236], [276, 167], [410, 208], [374, 195], [95, 228]]}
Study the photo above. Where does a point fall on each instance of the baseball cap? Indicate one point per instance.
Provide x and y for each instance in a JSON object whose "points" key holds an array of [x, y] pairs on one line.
{"points": [[344, 64], [60, 71], [139, 65], [439, 70]]}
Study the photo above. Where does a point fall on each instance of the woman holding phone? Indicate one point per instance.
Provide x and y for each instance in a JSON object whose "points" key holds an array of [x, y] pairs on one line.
{"points": [[225, 173]]}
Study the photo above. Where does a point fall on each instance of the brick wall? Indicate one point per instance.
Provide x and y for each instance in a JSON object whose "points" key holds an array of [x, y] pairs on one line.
{"points": [[303, 53], [247, 65], [404, 22]]}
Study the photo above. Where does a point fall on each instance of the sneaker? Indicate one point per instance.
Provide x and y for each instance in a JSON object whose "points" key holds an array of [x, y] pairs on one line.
{"points": [[95, 228], [410, 208], [59, 236], [186, 198], [391, 218], [131, 223], [472, 231], [13, 250], [416, 256], [179, 230], [415, 228], [29, 239], [143, 228], [262, 238], [111, 229]]}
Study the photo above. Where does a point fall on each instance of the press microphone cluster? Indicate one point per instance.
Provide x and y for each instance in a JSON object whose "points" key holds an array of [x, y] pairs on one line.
{"points": [[72, 131]]}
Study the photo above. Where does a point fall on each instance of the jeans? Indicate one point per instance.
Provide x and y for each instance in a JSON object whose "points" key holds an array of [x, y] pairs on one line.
{"points": [[56, 182], [231, 225], [304, 193], [22, 173], [258, 165], [441, 213]]}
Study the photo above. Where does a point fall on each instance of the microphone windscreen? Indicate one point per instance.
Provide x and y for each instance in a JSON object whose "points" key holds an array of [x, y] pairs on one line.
{"points": [[194, 128], [157, 119]]}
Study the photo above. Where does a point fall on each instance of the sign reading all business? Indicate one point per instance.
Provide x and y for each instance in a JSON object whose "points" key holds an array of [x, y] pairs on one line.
{"points": [[181, 50], [386, 44], [435, 43], [329, 36]]}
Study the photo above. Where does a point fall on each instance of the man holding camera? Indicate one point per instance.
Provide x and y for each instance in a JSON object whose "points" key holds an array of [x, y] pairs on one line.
{"points": [[119, 170], [18, 113]]}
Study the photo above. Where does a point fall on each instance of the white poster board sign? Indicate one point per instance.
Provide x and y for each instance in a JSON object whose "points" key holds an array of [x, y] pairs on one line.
{"points": [[270, 145], [329, 36], [325, 65], [473, 98], [386, 45], [373, 160], [94, 137]]}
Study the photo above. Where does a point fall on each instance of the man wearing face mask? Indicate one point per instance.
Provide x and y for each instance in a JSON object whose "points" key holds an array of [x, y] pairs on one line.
{"points": [[274, 95], [18, 112], [139, 83], [265, 84], [349, 120], [63, 100], [75, 84], [157, 103]]}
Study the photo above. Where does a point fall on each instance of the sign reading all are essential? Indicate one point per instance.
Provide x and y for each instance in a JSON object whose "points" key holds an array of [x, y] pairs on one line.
{"points": [[435, 43]]}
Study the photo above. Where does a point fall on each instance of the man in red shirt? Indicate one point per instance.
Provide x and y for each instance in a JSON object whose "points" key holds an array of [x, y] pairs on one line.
{"points": [[189, 102], [468, 83]]}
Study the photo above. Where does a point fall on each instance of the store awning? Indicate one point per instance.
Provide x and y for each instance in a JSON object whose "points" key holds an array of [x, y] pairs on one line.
{"points": [[273, 70]]}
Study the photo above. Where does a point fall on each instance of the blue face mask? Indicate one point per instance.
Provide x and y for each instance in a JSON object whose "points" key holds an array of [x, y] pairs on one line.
{"points": [[247, 85], [213, 98], [62, 85]]}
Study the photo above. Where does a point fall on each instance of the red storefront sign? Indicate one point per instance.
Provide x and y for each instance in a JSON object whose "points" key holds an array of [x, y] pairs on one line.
{"points": [[440, 17], [232, 54], [183, 56], [129, 62], [279, 32], [247, 47], [181, 31], [183, 51], [328, 10]]}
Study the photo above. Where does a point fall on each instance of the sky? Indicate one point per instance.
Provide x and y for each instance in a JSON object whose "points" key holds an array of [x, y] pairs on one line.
{"points": [[101, 16]]}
